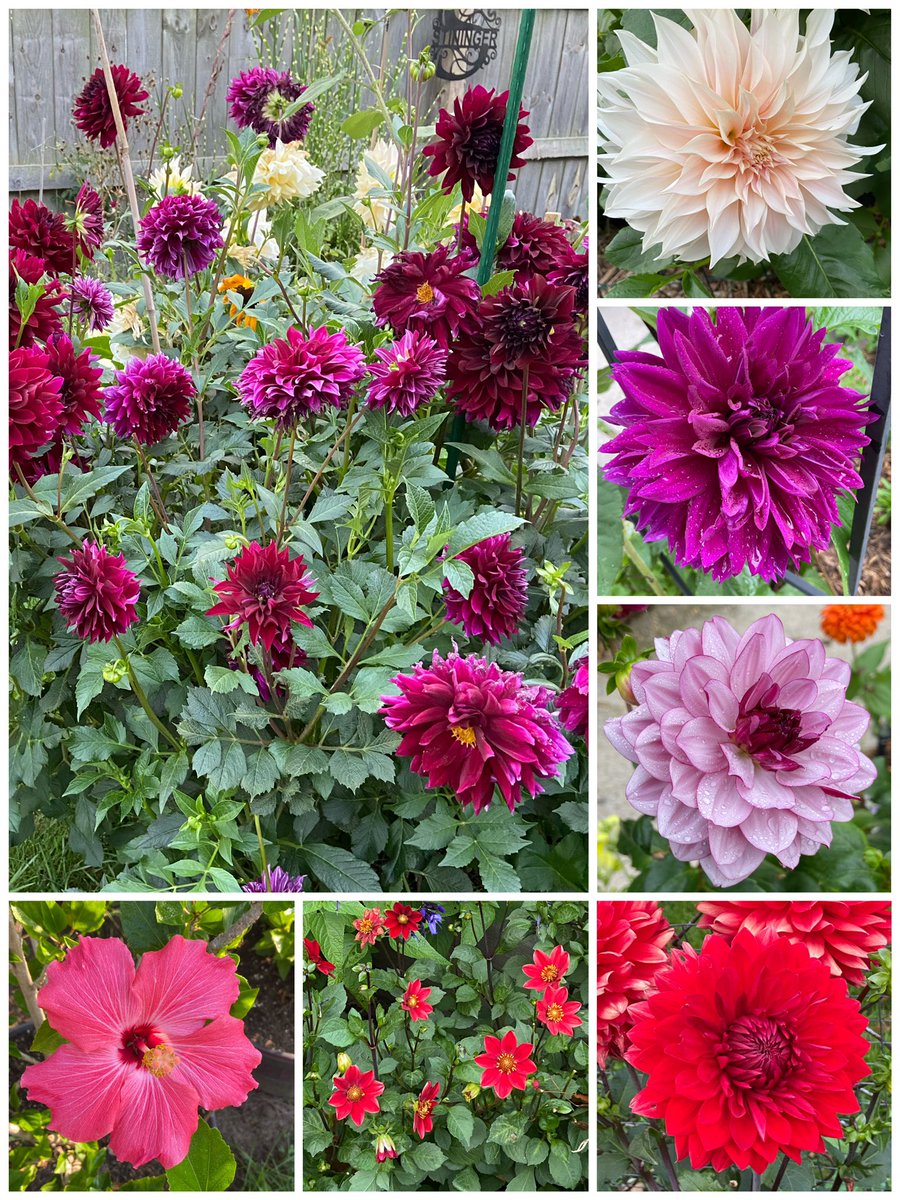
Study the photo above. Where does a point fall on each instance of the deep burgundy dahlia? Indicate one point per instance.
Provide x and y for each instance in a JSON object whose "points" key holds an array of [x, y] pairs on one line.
{"points": [[93, 113], [751, 1049], [150, 398], [468, 142], [265, 589], [844, 934], [284, 653], [297, 375], [534, 247], [46, 318], [470, 727], [575, 274], [92, 303], [632, 936], [180, 235], [496, 604], [41, 232], [572, 702], [738, 438], [96, 594], [86, 224], [408, 373], [34, 403], [259, 99], [80, 392], [426, 292]]}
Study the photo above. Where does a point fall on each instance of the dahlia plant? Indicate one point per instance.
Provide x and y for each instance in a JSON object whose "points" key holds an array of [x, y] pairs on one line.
{"points": [[120, 1060], [749, 1049], [452, 1056], [300, 579]]}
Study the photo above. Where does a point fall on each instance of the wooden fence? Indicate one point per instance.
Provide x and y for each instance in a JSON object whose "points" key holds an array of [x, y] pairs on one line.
{"points": [[53, 50]]}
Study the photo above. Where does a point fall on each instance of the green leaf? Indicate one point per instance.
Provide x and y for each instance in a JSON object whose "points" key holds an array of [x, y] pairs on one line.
{"points": [[460, 576], [78, 487], [477, 529], [836, 262], [637, 285], [339, 870], [46, 1040], [141, 928], [565, 1167], [497, 282], [427, 1156], [497, 875], [610, 538], [262, 773], [335, 1032], [226, 679], [209, 1166], [461, 1124], [362, 124], [625, 252]]}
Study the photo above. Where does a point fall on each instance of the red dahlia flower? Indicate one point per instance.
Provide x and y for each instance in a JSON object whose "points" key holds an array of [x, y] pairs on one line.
{"points": [[632, 936], [144, 1048], [471, 727], [259, 99], [558, 1012], [34, 403], [546, 970], [572, 702], [468, 142], [265, 590], [408, 373], [41, 232], [401, 921], [751, 1049], [355, 1094], [46, 318], [534, 247], [415, 1001], [369, 927], [427, 293], [495, 606], [506, 1064], [315, 956], [844, 934], [96, 594], [80, 392], [93, 113], [423, 1108], [150, 398], [180, 235], [294, 376]]}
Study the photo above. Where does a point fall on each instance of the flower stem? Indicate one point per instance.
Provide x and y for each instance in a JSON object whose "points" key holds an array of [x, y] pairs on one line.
{"points": [[521, 471], [157, 501], [389, 532], [26, 984], [266, 875], [141, 697], [279, 532]]}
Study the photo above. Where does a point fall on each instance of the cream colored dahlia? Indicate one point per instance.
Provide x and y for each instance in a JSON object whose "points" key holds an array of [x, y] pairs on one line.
{"points": [[376, 210], [726, 142], [286, 173], [261, 246], [173, 179]]}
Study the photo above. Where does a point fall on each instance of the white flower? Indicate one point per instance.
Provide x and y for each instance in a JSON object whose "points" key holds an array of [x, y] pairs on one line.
{"points": [[261, 246], [368, 263], [727, 142], [286, 173], [172, 180], [376, 210], [126, 319]]}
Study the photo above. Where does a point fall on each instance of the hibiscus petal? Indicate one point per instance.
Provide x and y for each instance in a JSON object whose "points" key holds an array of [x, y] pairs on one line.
{"points": [[157, 1119], [182, 986], [88, 997], [217, 1060], [81, 1088]]}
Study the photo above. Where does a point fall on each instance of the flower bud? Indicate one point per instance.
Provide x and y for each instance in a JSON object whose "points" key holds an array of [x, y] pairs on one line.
{"points": [[344, 1062], [470, 1091], [115, 672], [384, 1147], [177, 91]]}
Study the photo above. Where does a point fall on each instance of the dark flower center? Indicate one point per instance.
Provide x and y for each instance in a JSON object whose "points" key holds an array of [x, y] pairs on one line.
{"points": [[758, 1052], [773, 735], [144, 1046], [483, 146], [521, 327], [265, 590]]}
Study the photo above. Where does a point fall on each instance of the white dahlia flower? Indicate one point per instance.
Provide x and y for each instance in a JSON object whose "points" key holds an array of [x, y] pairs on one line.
{"points": [[726, 142], [376, 210], [286, 173], [171, 179]]}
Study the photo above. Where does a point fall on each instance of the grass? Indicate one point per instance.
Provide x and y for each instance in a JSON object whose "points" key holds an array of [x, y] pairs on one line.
{"points": [[274, 1172], [44, 862]]}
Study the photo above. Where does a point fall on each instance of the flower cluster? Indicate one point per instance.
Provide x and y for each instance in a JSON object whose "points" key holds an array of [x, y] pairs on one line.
{"points": [[632, 936], [399, 922], [554, 1009]]}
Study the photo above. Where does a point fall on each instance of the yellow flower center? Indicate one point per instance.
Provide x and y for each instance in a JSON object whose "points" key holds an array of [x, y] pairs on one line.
{"points": [[424, 1107], [555, 1012], [411, 1001], [354, 1093], [365, 925], [506, 1063], [424, 293], [403, 919], [549, 973], [464, 734], [160, 1060]]}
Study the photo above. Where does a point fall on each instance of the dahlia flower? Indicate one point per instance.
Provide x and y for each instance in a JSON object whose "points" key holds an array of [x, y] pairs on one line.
{"points": [[469, 726], [45, 318], [80, 392], [632, 936], [42, 233], [415, 1001], [259, 99], [93, 113], [180, 235], [97, 594], [851, 622], [265, 589], [86, 223], [285, 173], [546, 970], [423, 1108], [408, 373], [844, 934], [384, 1147], [506, 1064], [572, 702], [150, 398], [355, 1094], [728, 143], [294, 376], [401, 921], [558, 1012], [750, 1049], [172, 179], [495, 606], [369, 927], [34, 403], [468, 142], [376, 210], [276, 879], [429, 293], [534, 247], [315, 956], [92, 303], [144, 1049], [738, 439], [746, 745]]}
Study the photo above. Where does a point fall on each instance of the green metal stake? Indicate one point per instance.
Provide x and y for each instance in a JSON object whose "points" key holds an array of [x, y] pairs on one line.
{"points": [[489, 245]]}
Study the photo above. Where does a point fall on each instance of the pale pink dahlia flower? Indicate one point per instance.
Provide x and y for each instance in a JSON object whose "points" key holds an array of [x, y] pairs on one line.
{"points": [[745, 746], [726, 142]]}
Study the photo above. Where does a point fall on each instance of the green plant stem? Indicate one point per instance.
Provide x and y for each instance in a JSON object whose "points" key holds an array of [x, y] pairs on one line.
{"points": [[389, 532], [266, 876], [377, 92], [19, 965], [523, 416], [634, 557], [155, 494], [48, 512], [141, 697], [279, 532]]}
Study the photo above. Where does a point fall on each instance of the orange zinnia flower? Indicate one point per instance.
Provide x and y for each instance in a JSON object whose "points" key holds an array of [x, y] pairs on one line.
{"points": [[851, 622]]}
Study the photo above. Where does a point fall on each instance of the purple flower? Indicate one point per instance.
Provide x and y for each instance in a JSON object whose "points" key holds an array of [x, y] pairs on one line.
{"points": [[180, 235], [468, 141], [408, 373], [259, 98], [150, 398], [91, 301], [745, 746], [572, 703], [432, 915], [495, 606], [275, 880], [738, 439], [298, 375], [97, 594]]}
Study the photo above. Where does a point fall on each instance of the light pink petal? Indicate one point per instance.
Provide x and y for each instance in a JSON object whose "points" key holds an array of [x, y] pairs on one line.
{"points": [[158, 1118], [740, 764], [652, 754], [842, 760], [727, 846], [685, 781], [745, 861], [723, 705], [808, 772], [217, 1061], [643, 792], [837, 671], [771, 830], [677, 822], [720, 640], [695, 678], [670, 726], [617, 739], [661, 694], [800, 694], [88, 997], [81, 1088], [800, 660], [700, 742], [765, 791], [719, 801], [851, 724], [754, 656], [183, 985]]}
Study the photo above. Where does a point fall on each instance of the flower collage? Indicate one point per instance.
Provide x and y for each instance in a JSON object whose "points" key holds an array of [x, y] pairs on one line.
{"points": [[450, 542]]}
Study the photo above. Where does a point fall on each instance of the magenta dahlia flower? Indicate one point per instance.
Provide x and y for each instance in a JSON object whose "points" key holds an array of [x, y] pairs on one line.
{"points": [[42, 233], [277, 880], [429, 293], [572, 702], [408, 373], [265, 590], [92, 302], [180, 235], [34, 403], [738, 438], [93, 113], [80, 392], [259, 99], [468, 142], [297, 375], [96, 594], [144, 1049], [46, 318], [745, 745], [150, 398], [495, 606], [86, 224], [470, 727]]}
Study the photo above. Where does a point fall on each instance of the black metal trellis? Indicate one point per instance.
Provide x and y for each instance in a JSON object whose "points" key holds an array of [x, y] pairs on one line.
{"points": [[870, 468]]}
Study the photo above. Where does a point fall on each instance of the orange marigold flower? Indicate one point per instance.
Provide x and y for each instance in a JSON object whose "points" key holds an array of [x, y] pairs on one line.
{"points": [[851, 622], [244, 288]]}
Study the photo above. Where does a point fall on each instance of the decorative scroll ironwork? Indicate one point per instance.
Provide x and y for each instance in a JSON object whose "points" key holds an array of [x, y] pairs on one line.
{"points": [[464, 41]]}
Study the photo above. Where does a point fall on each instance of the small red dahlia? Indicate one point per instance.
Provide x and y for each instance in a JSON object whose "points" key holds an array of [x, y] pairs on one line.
{"points": [[423, 1108], [34, 403], [41, 232], [401, 921], [546, 970], [558, 1012], [93, 113], [316, 957], [506, 1064], [632, 936], [369, 927], [426, 293], [96, 594], [355, 1094], [415, 1001], [265, 589], [496, 604], [468, 142]]}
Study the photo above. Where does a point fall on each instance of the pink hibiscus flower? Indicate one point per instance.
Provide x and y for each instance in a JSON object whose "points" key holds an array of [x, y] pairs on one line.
{"points": [[145, 1048]]}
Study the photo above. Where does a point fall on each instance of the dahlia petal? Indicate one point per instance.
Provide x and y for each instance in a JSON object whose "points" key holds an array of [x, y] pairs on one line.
{"points": [[88, 997], [772, 830], [82, 1089], [183, 985], [157, 1119]]}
